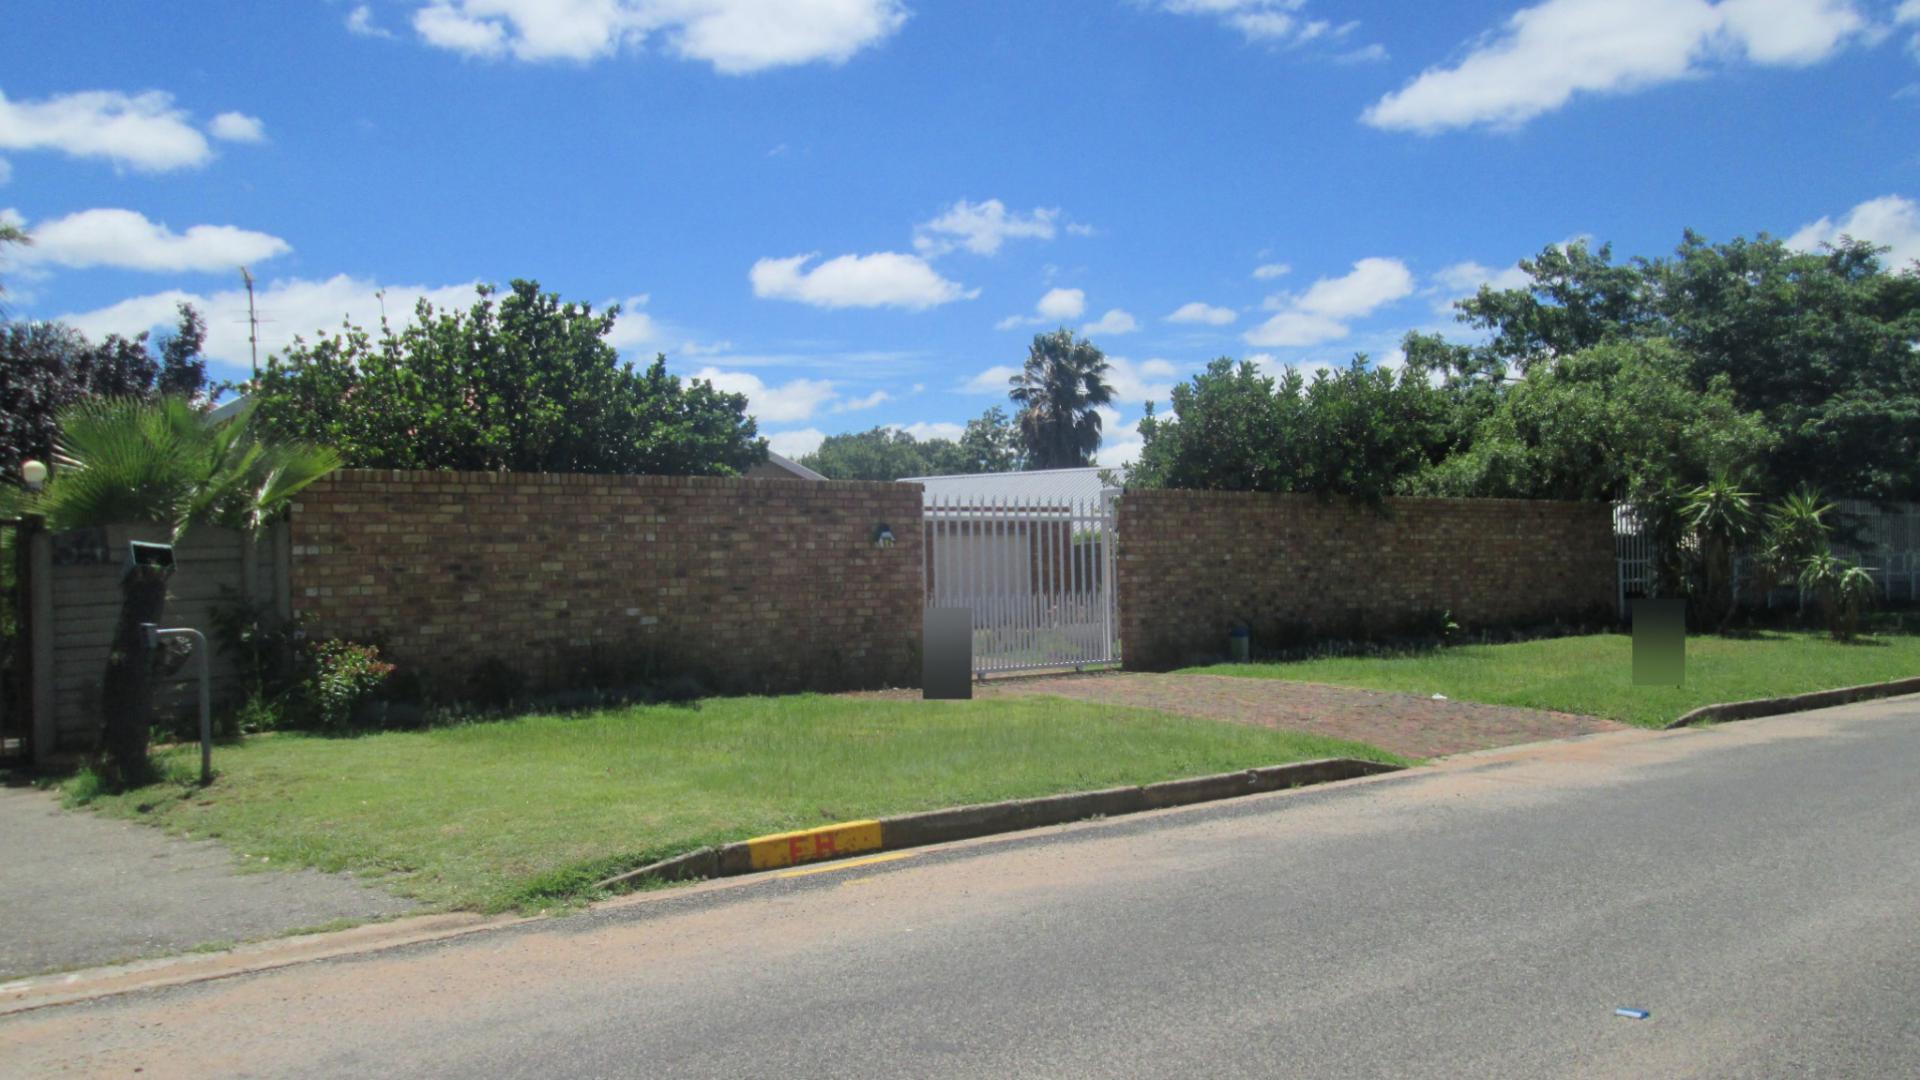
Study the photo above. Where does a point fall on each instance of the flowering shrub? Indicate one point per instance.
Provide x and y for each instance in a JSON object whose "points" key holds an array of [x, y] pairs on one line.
{"points": [[343, 675]]}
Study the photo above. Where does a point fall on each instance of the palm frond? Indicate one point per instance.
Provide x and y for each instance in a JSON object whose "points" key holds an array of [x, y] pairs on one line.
{"points": [[123, 459]]}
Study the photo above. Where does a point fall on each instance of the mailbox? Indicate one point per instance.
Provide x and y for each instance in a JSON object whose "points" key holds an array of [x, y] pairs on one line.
{"points": [[147, 553]]}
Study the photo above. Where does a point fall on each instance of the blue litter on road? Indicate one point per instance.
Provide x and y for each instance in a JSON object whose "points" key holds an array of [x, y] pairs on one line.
{"points": [[1632, 1014]]}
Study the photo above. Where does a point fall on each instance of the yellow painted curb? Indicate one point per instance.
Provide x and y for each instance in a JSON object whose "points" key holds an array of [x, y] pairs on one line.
{"points": [[812, 845]]}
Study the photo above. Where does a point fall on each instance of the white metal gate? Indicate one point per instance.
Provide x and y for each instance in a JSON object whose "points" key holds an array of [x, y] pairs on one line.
{"points": [[1884, 540], [1037, 575]]}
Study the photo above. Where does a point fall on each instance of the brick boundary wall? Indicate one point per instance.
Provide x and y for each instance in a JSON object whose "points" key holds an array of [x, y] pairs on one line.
{"points": [[571, 581], [1193, 563]]}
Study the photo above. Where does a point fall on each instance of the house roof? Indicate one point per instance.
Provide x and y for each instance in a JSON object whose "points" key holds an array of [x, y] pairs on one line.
{"points": [[1054, 487], [792, 466]]}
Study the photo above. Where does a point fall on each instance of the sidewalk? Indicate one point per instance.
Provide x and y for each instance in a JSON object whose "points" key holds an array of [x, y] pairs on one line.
{"points": [[78, 889]]}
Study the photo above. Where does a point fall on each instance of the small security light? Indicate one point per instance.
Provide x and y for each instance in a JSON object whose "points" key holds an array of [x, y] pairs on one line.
{"points": [[882, 535], [34, 473]]}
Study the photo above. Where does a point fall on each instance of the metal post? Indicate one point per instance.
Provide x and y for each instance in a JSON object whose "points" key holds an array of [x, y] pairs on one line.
{"points": [[39, 620]]}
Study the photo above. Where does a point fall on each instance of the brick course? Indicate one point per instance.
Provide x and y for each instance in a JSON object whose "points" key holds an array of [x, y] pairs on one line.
{"points": [[747, 584], [1193, 563]]}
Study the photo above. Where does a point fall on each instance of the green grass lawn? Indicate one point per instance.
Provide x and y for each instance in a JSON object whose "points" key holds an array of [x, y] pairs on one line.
{"points": [[520, 812], [1593, 674]]}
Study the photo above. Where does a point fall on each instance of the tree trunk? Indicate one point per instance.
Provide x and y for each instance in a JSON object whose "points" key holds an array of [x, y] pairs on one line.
{"points": [[127, 693]]}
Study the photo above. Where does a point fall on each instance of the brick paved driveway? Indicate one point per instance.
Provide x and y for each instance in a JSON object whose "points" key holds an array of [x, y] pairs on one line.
{"points": [[1407, 725]]}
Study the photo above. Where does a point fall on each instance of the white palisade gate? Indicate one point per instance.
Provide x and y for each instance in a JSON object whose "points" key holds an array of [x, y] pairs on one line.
{"points": [[1884, 540], [1037, 573]]}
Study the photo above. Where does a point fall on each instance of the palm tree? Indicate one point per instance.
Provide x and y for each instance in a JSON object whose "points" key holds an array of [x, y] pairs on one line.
{"points": [[163, 462], [1058, 392], [1797, 530], [1721, 515], [1844, 589]]}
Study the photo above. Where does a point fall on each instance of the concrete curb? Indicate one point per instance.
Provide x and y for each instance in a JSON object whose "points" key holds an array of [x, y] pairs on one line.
{"points": [[1820, 699], [984, 819]]}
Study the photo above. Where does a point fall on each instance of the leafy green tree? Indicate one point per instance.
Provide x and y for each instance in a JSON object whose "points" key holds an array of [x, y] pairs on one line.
{"points": [[1576, 298], [1356, 431], [1059, 391], [522, 384], [881, 453], [1819, 344], [46, 367], [1610, 422], [991, 444], [1230, 428]]}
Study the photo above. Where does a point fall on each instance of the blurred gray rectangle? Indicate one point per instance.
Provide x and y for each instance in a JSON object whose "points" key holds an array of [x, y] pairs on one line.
{"points": [[946, 658], [1659, 642]]}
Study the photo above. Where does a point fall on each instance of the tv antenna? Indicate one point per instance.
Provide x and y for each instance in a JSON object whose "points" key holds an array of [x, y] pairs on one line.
{"points": [[253, 324]]}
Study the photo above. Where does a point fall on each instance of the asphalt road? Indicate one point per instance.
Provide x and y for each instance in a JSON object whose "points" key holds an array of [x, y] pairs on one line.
{"points": [[1756, 887], [83, 889]]}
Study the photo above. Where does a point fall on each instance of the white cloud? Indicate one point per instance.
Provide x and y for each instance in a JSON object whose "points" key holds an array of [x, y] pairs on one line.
{"points": [[796, 399], [1120, 441], [1198, 312], [1548, 53], [632, 326], [1296, 328], [237, 127], [1463, 279], [1273, 22], [938, 429], [286, 308], [1057, 306], [878, 397], [442, 26], [1321, 313], [360, 21], [735, 36], [1148, 380], [796, 444], [1889, 221], [1371, 283], [1062, 304], [127, 240], [882, 279], [143, 131], [981, 228], [994, 380], [1114, 322], [1269, 271]]}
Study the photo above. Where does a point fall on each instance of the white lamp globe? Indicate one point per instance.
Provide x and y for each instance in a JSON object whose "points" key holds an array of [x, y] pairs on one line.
{"points": [[33, 472]]}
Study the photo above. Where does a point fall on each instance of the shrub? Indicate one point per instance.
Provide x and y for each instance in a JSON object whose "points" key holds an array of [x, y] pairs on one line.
{"points": [[344, 677], [1844, 590]]}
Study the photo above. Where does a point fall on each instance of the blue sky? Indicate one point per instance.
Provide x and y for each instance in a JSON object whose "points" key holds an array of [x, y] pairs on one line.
{"points": [[859, 211]]}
